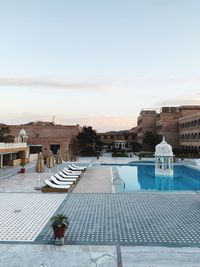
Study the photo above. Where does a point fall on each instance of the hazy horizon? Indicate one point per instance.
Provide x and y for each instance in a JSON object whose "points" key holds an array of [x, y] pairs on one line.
{"points": [[97, 63]]}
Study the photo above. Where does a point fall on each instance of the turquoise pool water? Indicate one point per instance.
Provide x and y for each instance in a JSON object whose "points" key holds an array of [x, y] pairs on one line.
{"points": [[142, 177]]}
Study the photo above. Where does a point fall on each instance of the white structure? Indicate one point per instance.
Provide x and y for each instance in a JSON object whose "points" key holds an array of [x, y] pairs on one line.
{"points": [[164, 159], [120, 144], [23, 136]]}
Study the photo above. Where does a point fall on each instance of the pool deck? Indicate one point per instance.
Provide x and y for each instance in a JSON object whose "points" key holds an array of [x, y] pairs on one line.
{"points": [[106, 229]]}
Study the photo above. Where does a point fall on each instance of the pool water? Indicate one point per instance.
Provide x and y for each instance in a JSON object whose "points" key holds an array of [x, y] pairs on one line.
{"points": [[142, 177]]}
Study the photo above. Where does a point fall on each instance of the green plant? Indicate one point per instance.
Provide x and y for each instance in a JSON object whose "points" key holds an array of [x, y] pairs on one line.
{"points": [[22, 164], [59, 220]]}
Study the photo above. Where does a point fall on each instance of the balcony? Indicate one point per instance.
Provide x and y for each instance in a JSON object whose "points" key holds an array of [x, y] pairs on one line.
{"points": [[12, 145]]}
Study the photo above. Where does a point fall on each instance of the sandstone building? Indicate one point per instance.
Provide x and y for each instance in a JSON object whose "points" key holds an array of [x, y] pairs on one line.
{"points": [[123, 139], [45, 136], [189, 131], [164, 122]]}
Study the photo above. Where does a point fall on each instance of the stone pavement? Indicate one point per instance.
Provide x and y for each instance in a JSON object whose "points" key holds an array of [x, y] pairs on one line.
{"points": [[13, 255], [97, 179], [135, 230], [55, 256]]}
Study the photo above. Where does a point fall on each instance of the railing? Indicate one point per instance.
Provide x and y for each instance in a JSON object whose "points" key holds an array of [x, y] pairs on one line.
{"points": [[118, 178], [12, 145]]}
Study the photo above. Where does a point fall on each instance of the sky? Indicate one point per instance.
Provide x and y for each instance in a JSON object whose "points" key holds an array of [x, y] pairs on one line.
{"points": [[97, 63]]}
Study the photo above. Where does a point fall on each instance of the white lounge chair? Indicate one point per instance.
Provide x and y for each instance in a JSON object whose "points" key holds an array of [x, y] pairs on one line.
{"points": [[64, 175], [50, 184], [56, 181], [66, 179], [69, 177], [75, 169], [79, 167], [72, 172]]}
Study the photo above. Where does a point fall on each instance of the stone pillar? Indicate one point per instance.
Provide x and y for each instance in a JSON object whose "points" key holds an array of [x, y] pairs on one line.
{"points": [[1, 161]]}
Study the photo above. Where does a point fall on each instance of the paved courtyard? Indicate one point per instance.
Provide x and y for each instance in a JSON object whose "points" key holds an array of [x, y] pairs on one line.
{"points": [[23, 215], [164, 219], [123, 229]]}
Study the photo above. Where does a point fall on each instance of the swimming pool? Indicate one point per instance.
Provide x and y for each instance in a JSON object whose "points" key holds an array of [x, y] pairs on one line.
{"points": [[142, 177]]}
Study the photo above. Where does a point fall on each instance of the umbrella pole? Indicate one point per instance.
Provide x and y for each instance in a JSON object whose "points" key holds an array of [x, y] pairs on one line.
{"points": [[39, 181]]}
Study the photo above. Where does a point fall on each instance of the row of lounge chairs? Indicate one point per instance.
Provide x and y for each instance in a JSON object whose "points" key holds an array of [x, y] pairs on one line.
{"points": [[64, 180]]}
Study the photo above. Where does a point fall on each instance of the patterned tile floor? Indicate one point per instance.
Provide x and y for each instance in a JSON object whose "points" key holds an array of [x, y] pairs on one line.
{"points": [[23, 215], [164, 219]]}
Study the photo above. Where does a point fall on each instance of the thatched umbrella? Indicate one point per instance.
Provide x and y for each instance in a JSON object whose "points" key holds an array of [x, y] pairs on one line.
{"points": [[66, 156], [59, 158], [39, 167], [50, 161]]}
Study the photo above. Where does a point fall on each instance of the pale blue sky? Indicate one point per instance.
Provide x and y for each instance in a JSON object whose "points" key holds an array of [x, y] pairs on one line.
{"points": [[97, 62]]}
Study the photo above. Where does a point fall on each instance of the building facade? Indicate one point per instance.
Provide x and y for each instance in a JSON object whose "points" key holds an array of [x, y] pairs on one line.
{"points": [[123, 139], [46, 136], [12, 154], [146, 122], [189, 132], [164, 122]]}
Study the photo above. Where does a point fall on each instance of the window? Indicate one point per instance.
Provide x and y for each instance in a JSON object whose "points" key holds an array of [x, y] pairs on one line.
{"points": [[54, 148]]}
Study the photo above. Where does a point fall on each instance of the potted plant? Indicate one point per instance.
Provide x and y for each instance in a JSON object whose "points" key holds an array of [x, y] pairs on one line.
{"points": [[59, 224], [22, 164]]}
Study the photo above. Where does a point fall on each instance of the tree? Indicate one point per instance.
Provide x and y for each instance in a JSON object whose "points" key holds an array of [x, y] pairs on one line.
{"points": [[151, 139], [136, 147], [87, 140], [99, 145], [5, 136]]}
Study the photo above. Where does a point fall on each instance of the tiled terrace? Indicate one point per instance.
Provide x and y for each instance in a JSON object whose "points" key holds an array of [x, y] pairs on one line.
{"points": [[126, 226], [137, 219]]}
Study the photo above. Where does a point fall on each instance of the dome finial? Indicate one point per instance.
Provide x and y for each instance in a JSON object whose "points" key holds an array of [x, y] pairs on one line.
{"points": [[163, 138]]}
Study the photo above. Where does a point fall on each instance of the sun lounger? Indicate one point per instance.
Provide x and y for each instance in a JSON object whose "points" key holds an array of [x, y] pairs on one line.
{"points": [[72, 172], [64, 175], [75, 169], [56, 181], [79, 167], [66, 179], [58, 177], [52, 185]]}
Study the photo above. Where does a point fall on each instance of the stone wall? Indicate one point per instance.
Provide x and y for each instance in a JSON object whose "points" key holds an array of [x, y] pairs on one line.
{"points": [[47, 134]]}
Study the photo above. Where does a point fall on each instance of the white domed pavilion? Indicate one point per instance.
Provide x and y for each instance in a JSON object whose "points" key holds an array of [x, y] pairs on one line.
{"points": [[164, 159], [23, 136]]}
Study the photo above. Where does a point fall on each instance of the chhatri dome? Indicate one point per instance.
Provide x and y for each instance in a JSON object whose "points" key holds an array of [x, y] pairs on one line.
{"points": [[23, 136], [164, 159], [164, 149], [22, 132]]}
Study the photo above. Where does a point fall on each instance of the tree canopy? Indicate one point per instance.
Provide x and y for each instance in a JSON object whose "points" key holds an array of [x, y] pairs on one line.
{"points": [[5, 136], [87, 140], [151, 139]]}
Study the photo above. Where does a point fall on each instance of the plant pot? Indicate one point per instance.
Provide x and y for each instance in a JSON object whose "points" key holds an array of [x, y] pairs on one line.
{"points": [[22, 170], [59, 231]]}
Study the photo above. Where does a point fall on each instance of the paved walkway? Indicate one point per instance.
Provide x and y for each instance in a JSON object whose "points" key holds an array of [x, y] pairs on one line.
{"points": [[97, 179], [96, 256]]}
